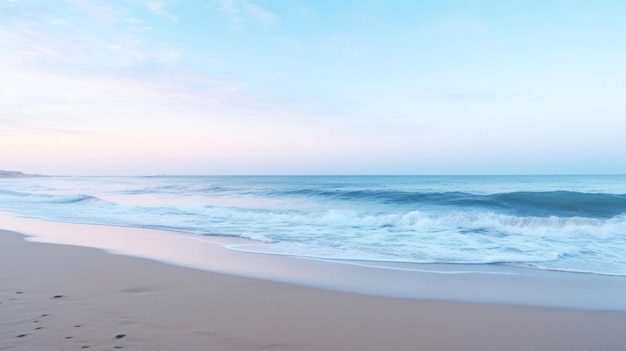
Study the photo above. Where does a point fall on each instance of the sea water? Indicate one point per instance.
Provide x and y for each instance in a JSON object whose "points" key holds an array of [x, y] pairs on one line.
{"points": [[566, 223]]}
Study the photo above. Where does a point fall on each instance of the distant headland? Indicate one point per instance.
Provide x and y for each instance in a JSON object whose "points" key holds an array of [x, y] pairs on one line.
{"points": [[17, 174]]}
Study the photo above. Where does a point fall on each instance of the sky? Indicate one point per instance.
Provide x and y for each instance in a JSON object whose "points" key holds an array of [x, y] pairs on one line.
{"points": [[144, 87]]}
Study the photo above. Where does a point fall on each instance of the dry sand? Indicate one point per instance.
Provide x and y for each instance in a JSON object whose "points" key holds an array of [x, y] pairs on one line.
{"points": [[57, 297]]}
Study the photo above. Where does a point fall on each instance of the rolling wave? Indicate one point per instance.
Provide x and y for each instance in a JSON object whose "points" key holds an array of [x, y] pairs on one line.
{"points": [[22, 197], [545, 204], [562, 203]]}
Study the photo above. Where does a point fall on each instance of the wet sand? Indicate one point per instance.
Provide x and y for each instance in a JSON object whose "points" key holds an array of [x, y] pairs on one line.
{"points": [[59, 297]]}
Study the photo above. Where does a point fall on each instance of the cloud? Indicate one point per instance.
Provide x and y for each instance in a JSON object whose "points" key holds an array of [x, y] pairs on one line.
{"points": [[103, 14], [231, 9], [160, 8], [261, 15], [242, 11], [81, 74]]}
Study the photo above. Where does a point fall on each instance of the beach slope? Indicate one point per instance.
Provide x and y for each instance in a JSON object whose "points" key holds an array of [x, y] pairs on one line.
{"points": [[57, 297]]}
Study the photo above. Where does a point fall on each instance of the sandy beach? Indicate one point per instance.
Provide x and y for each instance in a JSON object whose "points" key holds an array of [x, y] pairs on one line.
{"points": [[59, 297]]}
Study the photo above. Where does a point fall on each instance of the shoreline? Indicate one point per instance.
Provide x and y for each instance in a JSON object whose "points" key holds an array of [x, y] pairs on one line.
{"points": [[61, 297], [461, 283]]}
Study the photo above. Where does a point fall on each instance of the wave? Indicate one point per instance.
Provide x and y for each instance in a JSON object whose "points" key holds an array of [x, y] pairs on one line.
{"points": [[562, 203], [545, 204], [412, 221], [22, 197], [554, 243]]}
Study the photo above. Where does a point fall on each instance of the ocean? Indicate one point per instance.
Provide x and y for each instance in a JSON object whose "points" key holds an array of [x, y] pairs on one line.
{"points": [[562, 223]]}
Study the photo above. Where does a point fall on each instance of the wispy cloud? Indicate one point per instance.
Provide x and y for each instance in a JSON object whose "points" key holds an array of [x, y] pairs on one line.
{"points": [[261, 15], [230, 8], [102, 12], [241, 12], [81, 74], [160, 8]]}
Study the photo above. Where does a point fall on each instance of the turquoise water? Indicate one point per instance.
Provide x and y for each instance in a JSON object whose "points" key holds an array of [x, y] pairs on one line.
{"points": [[569, 223]]}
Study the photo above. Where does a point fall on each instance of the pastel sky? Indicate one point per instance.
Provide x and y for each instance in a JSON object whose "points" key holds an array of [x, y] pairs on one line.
{"points": [[91, 87]]}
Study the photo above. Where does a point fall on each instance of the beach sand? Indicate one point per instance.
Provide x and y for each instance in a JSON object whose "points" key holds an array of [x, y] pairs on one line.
{"points": [[59, 297]]}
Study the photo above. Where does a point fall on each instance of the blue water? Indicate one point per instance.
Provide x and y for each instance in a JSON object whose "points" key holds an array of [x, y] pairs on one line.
{"points": [[569, 223]]}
